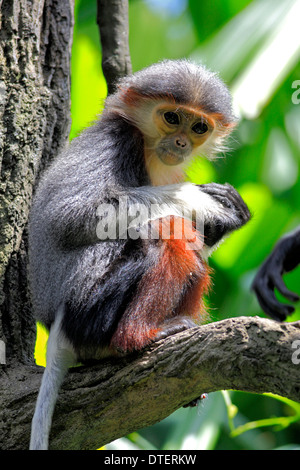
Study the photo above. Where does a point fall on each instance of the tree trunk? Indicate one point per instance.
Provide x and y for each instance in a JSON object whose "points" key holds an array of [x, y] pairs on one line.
{"points": [[35, 46]]}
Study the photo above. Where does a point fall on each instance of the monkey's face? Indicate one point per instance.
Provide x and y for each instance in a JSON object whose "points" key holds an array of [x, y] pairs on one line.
{"points": [[180, 132], [172, 133]]}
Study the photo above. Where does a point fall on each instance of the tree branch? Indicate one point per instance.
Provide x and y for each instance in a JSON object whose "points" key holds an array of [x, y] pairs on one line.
{"points": [[112, 19], [99, 403]]}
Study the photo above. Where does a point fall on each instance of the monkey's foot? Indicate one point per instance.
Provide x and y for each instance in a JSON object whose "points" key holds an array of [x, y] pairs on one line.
{"points": [[173, 326]]}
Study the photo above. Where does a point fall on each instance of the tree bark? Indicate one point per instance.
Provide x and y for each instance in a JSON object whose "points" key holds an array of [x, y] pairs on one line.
{"points": [[35, 46], [102, 402]]}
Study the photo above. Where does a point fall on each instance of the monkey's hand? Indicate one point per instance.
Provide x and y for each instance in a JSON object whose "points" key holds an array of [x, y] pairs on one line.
{"points": [[233, 213], [284, 258]]}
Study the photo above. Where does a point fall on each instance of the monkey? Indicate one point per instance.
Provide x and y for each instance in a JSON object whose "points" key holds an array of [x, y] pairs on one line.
{"points": [[118, 239], [284, 258]]}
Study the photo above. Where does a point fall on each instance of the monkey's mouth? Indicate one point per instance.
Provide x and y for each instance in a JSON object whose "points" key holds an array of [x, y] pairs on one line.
{"points": [[169, 158]]}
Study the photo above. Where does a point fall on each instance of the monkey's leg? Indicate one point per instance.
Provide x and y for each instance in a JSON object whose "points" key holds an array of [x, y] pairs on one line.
{"points": [[60, 356], [168, 298]]}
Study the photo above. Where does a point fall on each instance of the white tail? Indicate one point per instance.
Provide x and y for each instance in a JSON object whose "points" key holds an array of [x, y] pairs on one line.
{"points": [[60, 356]]}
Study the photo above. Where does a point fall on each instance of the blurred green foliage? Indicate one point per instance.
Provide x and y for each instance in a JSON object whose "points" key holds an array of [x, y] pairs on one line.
{"points": [[255, 46]]}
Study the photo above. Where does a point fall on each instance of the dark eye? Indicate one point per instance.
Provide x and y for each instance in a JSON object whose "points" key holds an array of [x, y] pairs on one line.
{"points": [[171, 118], [200, 127]]}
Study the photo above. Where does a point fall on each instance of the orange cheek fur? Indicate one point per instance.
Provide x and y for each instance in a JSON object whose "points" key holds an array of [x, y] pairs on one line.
{"points": [[173, 287]]}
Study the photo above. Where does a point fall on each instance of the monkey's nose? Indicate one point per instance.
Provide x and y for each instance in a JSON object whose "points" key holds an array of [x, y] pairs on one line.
{"points": [[180, 142]]}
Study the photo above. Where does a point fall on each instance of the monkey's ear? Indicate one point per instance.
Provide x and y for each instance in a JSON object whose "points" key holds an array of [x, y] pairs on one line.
{"points": [[130, 96], [133, 96]]}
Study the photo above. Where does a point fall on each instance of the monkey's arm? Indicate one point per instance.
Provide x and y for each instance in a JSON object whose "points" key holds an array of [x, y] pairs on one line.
{"points": [[219, 208], [284, 258]]}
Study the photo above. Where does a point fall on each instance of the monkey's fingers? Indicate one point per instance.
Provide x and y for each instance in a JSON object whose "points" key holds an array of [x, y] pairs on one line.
{"points": [[240, 204], [214, 189], [237, 202], [281, 287], [271, 306], [218, 189], [229, 197]]}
